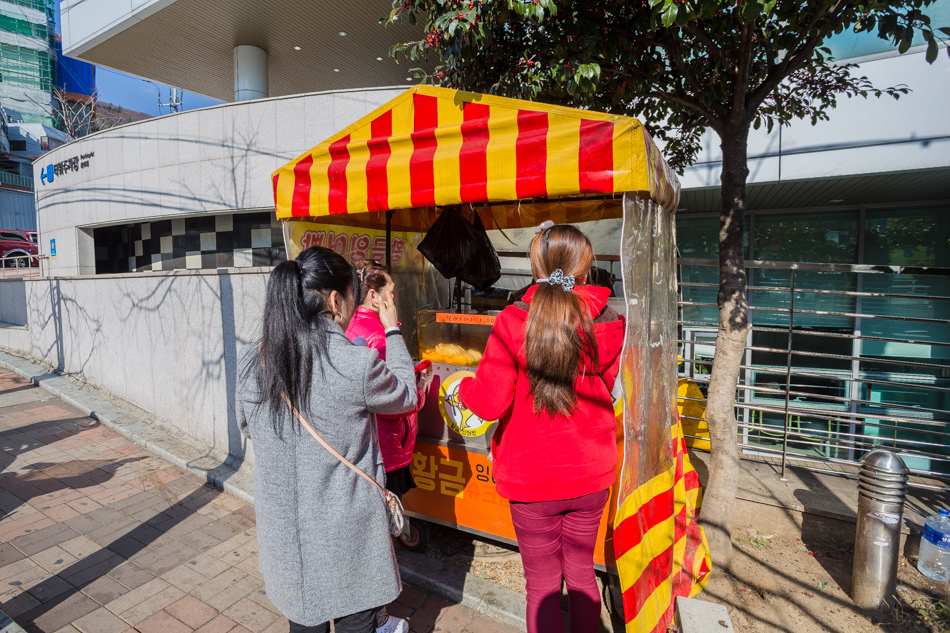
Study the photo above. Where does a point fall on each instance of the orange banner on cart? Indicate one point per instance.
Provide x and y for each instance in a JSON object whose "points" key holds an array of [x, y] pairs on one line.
{"points": [[435, 147], [457, 487], [467, 319]]}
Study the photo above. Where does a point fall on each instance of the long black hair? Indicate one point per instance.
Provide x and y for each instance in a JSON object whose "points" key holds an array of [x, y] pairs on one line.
{"points": [[297, 299]]}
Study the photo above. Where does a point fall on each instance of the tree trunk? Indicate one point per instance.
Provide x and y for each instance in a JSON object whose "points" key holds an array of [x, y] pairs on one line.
{"points": [[720, 494]]}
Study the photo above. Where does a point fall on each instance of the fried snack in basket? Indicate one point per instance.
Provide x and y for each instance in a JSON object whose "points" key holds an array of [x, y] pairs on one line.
{"points": [[452, 354]]}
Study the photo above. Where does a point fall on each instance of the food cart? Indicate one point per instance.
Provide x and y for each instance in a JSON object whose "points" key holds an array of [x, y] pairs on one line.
{"points": [[373, 190]]}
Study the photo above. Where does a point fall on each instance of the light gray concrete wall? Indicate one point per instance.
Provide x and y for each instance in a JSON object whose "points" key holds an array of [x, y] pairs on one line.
{"points": [[13, 301], [165, 342], [212, 160]]}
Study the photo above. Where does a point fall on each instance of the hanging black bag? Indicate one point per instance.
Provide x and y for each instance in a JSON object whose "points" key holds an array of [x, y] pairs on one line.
{"points": [[459, 248]]}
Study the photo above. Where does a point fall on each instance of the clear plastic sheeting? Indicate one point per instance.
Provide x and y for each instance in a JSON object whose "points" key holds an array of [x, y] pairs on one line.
{"points": [[418, 285], [648, 247], [660, 548]]}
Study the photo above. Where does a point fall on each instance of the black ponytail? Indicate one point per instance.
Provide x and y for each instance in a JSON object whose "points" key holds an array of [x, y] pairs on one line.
{"points": [[297, 296]]}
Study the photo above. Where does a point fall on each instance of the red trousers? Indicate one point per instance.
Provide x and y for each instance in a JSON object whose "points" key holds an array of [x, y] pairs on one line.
{"points": [[556, 540]]}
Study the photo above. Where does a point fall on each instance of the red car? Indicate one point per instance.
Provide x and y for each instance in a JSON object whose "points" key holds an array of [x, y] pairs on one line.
{"points": [[20, 245]]}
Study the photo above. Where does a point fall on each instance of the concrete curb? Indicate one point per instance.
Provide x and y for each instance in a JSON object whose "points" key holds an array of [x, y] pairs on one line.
{"points": [[488, 599]]}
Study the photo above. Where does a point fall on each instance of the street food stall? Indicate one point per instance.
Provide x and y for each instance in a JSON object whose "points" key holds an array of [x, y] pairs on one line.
{"points": [[376, 188]]}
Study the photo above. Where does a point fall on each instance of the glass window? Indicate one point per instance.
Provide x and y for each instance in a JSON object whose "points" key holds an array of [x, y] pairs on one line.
{"points": [[698, 238], [813, 237], [911, 237], [896, 386]]}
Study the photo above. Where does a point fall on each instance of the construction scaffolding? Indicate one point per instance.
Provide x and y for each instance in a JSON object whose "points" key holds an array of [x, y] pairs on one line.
{"points": [[26, 67]]}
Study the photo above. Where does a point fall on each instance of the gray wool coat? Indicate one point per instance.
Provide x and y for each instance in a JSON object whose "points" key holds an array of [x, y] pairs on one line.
{"points": [[322, 531]]}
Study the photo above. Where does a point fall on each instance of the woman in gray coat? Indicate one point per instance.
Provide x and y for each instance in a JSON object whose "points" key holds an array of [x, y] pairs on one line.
{"points": [[322, 531]]}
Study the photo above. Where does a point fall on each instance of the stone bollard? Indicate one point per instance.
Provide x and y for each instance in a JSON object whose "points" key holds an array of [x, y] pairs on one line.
{"points": [[882, 486]]}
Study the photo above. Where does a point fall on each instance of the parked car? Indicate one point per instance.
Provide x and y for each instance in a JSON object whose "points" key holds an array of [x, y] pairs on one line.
{"points": [[20, 245]]}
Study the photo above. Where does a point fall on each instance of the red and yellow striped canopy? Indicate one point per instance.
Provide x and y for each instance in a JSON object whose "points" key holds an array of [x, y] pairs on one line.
{"points": [[434, 147]]}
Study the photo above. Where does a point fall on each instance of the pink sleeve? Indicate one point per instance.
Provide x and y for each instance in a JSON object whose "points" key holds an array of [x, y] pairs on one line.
{"points": [[377, 341], [490, 393]]}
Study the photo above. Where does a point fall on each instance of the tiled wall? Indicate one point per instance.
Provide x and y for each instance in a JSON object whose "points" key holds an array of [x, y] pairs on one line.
{"points": [[237, 240]]}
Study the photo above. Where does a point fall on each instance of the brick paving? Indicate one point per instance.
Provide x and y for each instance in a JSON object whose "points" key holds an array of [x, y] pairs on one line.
{"points": [[98, 536]]}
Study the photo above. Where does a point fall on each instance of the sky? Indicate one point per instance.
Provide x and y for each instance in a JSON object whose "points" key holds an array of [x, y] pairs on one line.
{"points": [[142, 95], [139, 94]]}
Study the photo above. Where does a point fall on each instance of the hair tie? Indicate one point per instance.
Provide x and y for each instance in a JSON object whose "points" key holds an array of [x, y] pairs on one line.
{"points": [[544, 226], [558, 278]]}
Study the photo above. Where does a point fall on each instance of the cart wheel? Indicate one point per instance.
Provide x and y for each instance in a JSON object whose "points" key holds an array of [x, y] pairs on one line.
{"points": [[418, 539]]}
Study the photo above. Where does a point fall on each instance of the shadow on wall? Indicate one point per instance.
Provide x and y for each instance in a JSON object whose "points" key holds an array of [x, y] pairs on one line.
{"points": [[166, 343], [228, 187]]}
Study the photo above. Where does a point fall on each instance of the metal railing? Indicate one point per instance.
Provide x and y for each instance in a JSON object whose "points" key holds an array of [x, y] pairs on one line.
{"points": [[17, 266], [16, 180], [841, 359]]}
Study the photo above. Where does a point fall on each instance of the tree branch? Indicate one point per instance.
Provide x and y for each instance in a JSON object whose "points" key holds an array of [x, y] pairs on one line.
{"points": [[711, 118], [673, 51], [713, 48], [741, 83], [769, 51], [796, 56]]}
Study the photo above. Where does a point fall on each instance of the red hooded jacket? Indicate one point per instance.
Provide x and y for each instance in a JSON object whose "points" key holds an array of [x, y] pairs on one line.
{"points": [[397, 434], [540, 457]]}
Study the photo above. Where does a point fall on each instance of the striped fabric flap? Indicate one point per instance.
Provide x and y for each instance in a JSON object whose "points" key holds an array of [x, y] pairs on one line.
{"points": [[660, 547]]}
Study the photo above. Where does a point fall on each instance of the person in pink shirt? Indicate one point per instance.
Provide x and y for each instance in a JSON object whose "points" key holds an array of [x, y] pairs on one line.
{"points": [[397, 434]]}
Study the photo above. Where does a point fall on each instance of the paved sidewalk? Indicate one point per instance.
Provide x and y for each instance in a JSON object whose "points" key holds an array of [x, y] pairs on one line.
{"points": [[97, 536]]}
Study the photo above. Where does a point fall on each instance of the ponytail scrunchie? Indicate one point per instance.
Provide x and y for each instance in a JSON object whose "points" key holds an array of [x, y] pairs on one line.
{"points": [[566, 282]]}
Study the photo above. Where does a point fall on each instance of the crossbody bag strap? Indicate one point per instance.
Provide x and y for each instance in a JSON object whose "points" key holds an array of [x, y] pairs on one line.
{"points": [[333, 451]]}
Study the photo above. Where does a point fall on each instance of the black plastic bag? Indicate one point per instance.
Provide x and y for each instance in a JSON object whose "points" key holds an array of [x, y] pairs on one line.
{"points": [[458, 248]]}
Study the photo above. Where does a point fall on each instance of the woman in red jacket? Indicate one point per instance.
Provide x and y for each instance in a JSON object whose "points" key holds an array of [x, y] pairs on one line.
{"points": [[546, 376]]}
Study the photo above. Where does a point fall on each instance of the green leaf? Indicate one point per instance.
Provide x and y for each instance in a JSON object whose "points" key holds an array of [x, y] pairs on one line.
{"points": [[932, 51], [904, 46], [669, 14], [750, 10], [653, 3], [945, 30]]}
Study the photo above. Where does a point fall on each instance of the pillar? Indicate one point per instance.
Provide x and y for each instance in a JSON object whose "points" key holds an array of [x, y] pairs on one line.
{"points": [[250, 73]]}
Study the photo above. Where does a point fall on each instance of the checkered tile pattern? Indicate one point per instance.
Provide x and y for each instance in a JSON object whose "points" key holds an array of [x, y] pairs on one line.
{"points": [[211, 241]]}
